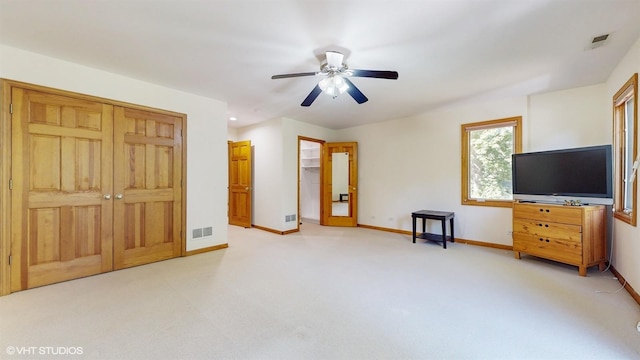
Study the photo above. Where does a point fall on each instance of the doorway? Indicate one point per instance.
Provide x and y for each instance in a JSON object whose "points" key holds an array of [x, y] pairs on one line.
{"points": [[309, 179], [327, 182]]}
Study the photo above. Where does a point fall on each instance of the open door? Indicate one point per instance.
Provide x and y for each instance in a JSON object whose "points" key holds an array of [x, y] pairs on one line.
{"points": [[339, 184], [240, 183]]}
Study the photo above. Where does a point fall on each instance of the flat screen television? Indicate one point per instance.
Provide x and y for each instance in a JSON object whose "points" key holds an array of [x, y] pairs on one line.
{"points": [[583, 174]]}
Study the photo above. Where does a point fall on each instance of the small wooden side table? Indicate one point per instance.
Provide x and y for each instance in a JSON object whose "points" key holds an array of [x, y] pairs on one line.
{"points": [[443, 216]]}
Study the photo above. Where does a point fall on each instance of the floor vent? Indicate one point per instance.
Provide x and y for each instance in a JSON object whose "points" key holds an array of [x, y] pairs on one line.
{"points": [[208, 231]]}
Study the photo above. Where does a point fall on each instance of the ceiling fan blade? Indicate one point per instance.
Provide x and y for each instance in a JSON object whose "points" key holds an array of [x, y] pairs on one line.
{"points": [[355, 93], [334, 59], [380, 74], [283, 76], [312, 96]]}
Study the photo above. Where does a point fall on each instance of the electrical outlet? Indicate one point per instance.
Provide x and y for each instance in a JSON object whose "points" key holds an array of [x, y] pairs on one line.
{"points": [[638, 326]]}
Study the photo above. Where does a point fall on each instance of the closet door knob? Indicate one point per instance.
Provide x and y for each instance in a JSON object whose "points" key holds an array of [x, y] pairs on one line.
{"points": [[118, 196], [107, 196]]}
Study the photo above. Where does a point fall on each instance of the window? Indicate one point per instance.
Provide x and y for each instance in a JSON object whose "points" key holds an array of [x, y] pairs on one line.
{"points": [[486, 161], [625, 129]]}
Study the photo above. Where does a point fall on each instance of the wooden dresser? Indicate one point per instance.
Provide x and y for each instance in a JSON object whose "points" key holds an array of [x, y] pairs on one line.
{"points": [[573, 235]]}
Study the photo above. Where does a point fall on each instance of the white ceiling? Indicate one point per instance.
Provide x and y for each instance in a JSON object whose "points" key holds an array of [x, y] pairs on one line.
{"points": [[444, 51]]}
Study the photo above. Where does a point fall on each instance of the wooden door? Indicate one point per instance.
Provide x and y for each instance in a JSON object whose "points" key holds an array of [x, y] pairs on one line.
{"points": [[240, 183], [340, 184], [61, 217], [147, 186]]}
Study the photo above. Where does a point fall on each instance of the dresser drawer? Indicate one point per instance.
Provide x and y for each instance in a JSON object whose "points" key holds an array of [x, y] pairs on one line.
{"points": [[554, 213], [566, 251], [548, 229], [572, 235]]}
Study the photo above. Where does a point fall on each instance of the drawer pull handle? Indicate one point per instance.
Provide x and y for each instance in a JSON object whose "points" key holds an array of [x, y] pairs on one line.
{"points": [[547, 240], [540, 239]]}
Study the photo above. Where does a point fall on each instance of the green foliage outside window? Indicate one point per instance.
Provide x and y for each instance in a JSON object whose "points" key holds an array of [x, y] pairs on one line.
{"points": [[490, 163]]}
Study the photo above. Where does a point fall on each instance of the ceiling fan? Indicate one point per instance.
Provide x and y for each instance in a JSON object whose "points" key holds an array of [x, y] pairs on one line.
{"points": [[335, 80]]}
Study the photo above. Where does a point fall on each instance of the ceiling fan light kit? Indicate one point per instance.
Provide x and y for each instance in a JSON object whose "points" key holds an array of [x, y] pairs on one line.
{"points": [[335, 81], [333, 85]]}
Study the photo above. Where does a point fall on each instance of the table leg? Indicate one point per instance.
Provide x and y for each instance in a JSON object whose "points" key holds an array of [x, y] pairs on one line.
{"points": [[414, 229], [444, 233], [453, 238]]}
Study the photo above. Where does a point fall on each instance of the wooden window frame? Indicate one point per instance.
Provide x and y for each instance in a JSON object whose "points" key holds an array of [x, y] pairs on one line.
{"points": [[628, 90], [516, 123]]}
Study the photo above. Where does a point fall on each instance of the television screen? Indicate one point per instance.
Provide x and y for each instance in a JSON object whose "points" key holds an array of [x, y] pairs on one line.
{"points": [[578, 172]]}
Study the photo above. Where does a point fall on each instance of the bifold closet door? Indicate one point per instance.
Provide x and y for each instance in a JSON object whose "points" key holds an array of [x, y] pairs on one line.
{"points": [[61, 218], [147, 186]]}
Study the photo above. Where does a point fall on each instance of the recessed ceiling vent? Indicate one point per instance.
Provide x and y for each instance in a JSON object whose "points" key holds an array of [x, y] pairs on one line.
{"points": [[599, 38], [598, 41]]}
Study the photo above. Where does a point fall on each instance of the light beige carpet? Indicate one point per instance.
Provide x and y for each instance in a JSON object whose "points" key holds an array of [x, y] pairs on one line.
{"points": [[328, 293]]}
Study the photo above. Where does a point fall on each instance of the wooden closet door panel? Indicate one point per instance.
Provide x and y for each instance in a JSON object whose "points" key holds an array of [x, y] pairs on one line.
{"points": [[148, 177], [62, 160]]}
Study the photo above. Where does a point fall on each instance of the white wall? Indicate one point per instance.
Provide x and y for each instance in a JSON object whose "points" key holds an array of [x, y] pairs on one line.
{"points": [[275, 164], [626, 238], [570, 118], [267, 196], [415, 163], [206, 128], [232, 134]]}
